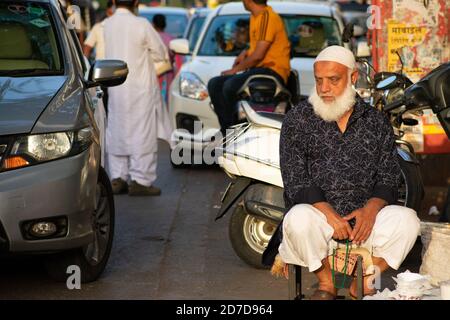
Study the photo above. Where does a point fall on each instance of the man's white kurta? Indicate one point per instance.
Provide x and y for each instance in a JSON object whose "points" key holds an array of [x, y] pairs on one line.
{"points": [[132, 107]]}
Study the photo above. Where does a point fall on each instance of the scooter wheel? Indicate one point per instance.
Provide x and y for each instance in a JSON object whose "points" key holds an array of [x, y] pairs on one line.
{"points": [[249, 236]]}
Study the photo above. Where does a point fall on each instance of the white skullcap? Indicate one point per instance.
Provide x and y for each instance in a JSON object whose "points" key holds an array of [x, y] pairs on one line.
{"points": [[337, 54]]}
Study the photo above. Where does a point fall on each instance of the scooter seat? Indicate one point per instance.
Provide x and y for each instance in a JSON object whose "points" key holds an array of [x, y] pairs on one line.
{"points": [[262, 90], [272, 115], [261, 84]]}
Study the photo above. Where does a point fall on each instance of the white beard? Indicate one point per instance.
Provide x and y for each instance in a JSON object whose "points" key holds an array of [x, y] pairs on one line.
{"points": [[333, 111]]}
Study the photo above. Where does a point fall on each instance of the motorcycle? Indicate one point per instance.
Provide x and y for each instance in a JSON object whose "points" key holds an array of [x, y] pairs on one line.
{"points": [[250, 156], [431, 92], [384, 88]]}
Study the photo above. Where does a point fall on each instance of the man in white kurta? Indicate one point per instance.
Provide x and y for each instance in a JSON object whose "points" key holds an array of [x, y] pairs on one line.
{"points": [[132, 129], [340, 171]]}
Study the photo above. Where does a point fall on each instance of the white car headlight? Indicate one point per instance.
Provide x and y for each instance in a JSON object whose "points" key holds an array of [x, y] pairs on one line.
{"points": [[45, 147], [192, 87], [37, 148]]}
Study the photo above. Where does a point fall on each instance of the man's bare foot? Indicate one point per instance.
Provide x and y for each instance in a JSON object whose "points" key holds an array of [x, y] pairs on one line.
{"points": [[366, 292], [328, 287]]}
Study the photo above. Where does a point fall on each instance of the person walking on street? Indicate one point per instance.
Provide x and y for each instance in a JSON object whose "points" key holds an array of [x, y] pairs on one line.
{"points": [[165, 79], [95, 39], [132, 128]]}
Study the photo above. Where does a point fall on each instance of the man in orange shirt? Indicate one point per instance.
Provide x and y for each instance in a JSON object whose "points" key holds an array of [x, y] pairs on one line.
{"points": [[268, 53]]}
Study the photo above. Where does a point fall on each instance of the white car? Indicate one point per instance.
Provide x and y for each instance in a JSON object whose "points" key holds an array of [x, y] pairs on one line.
{"points": [[189, 100]]}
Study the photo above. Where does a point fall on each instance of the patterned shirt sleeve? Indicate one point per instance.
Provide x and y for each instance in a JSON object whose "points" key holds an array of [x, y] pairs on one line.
{"points": [[298, 185]]}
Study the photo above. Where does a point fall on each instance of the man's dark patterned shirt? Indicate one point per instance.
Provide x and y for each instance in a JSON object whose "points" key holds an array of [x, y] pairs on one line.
{"points": [[319, 163]]}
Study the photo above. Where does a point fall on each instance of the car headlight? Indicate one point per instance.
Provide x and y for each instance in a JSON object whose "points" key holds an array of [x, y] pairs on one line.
{"points": [[192, 87], [37, 148]]}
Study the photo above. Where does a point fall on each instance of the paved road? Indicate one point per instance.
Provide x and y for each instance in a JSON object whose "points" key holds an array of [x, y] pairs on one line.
{"points": [[166, 247]]}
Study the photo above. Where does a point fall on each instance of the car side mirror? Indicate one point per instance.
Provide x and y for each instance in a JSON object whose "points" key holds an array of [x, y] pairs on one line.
{"points": [[180, 46], [108, 73]]}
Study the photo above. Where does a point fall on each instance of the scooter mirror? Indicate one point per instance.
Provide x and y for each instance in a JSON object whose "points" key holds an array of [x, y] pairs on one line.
{"points": [[387, 83]]}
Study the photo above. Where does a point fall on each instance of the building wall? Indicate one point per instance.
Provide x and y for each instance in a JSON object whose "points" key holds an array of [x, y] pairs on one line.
{"points": [[419, 29]]}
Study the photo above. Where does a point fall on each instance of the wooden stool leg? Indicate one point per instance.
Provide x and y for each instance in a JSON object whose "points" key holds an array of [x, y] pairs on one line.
{"points": [[359, 278]]}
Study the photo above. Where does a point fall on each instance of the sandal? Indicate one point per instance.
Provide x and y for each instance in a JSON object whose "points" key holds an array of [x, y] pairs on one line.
{"points": [[322, 295]]}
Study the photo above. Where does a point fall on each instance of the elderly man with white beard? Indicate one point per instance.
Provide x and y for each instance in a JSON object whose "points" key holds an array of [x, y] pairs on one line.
{"points": [[340, 173]]}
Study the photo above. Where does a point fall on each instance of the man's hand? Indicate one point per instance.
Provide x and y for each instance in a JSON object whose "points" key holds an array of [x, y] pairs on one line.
{"points": [[237, 61], [342, 229], [87, 51], [365, 219], [253, 59], [364, 224], [228, 72], [240, 58]]}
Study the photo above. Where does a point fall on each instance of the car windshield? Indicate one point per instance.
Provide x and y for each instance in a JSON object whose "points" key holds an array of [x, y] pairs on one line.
{"points": [[29, 45], [176, 23], [194, 31], [228, 35]]}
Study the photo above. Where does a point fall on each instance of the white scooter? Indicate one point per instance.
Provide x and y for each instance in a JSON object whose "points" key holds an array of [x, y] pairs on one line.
{"points": [[250, 157]]}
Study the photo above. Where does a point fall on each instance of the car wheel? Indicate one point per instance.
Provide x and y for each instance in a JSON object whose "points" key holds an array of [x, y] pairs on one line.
{"points": [[249, 236], [92, 258]]}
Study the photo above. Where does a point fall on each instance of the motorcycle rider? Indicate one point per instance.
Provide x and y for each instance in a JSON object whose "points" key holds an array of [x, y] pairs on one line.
{"points": [[340, 170], [269, 53]]}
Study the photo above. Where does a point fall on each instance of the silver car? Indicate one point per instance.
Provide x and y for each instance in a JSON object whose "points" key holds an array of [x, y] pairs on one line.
{"points": [[55, 198]]}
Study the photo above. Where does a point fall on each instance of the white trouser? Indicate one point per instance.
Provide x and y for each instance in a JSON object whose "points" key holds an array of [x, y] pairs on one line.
{"points": [[141, 168], [307, 237]]}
